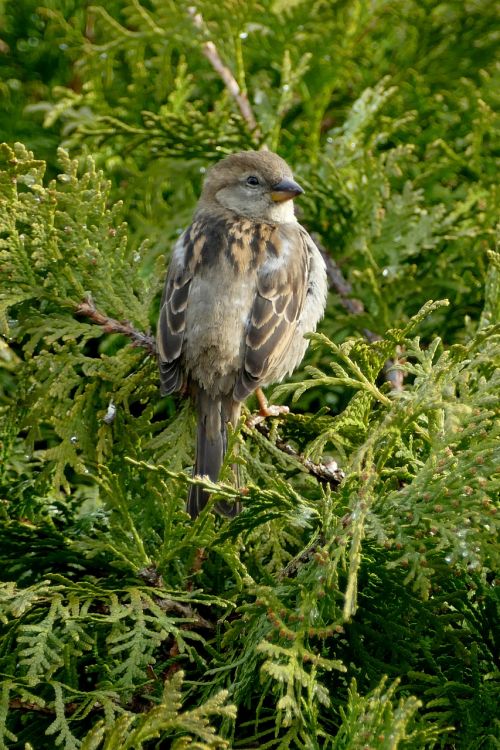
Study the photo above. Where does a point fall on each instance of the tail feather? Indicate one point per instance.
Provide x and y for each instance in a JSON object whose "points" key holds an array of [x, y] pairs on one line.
{"points": [[211, 447]]}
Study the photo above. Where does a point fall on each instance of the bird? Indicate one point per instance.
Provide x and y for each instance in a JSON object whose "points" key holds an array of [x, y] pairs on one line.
{"points": [[244, 284]]}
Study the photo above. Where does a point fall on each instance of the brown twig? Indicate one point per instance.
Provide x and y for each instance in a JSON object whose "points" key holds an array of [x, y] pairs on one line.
{"points": [[110, 325], [153, 577], [342, 287], [18, 704], [326, 473], [292, 568], [212, 54], [169, 605]]}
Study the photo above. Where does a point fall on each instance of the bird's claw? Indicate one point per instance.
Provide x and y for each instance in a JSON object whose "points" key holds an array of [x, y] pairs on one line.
{"points": [[273, 410], [269, 410]]}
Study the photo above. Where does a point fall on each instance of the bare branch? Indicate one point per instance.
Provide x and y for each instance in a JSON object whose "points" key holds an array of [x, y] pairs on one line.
{"points": [[20, 705], [153, 578], [305, 556], [110, 325], [212, 54], [326, 473]]}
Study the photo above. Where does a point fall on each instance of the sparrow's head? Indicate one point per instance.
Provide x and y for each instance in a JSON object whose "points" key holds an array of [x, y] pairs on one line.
{"points": [[256, 184]]}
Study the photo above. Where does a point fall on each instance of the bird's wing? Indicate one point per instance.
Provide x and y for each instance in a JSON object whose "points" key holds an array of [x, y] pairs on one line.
{"points": [[201, 244], [280, 293], [172, 317]]}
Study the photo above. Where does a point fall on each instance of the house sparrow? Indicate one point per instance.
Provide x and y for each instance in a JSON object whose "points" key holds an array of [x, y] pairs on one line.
{"points": [[245, 283]]}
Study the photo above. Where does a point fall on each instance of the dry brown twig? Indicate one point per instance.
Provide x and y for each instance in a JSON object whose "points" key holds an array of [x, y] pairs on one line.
{"points": [[212, 54], [110, 325], [326, 473], [69, 708]]}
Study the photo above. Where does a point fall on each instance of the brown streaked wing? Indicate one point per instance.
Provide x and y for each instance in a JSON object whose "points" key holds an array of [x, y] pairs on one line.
{"points": [[278, 303], [200, 246], [172, 318]]}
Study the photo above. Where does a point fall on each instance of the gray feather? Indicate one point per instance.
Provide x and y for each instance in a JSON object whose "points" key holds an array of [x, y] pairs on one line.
{"points": [[211, 447]]}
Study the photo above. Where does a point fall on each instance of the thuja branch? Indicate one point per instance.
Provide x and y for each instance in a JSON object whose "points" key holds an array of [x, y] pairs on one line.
{"points": [[88, 309], [338, 282], [110, 325]]}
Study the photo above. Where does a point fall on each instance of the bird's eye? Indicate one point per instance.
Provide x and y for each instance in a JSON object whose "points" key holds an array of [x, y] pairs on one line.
{"points": [[253, 181]]}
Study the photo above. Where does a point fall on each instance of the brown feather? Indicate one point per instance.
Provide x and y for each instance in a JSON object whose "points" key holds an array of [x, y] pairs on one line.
{"points": [[277, 306]]}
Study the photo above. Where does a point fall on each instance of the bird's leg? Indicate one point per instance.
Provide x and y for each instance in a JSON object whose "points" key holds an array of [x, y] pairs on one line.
{"points": [[266, 409]]}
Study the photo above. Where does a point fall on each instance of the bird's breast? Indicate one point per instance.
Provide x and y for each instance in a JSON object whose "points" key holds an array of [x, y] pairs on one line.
{"points": [[220, 302], [225, 257]]}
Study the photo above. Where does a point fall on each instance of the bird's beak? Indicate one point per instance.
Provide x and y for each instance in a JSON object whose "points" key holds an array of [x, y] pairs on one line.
{"points": [[285, 190]]}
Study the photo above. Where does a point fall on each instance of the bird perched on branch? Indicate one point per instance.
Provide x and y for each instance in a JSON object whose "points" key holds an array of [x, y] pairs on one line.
{"points": [[245, 283]]}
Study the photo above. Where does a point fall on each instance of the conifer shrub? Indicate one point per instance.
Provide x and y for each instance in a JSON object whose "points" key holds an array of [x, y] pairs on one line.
{"points": [[353, 603]]}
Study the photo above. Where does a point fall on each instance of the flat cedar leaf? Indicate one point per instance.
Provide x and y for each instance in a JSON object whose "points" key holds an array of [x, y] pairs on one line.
{"points": [[368, 540]]}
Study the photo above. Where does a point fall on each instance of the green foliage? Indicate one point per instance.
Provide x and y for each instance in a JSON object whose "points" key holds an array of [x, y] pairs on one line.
{"points": [[165, 719], [384, 725], [361, 615]]}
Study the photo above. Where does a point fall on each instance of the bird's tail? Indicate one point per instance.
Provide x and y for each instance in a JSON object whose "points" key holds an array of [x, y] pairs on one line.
{"points": [[211, 447]]}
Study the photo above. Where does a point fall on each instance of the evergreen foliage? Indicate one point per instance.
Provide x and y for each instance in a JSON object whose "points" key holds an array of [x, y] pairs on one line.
{"points": [[351, 608]]}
